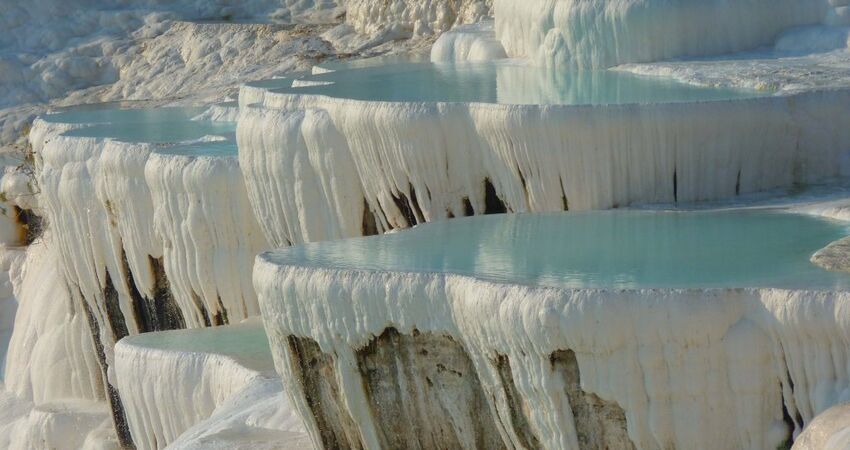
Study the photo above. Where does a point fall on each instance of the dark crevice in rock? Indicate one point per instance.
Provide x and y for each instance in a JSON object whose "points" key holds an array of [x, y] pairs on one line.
{"points": [[519, 421], [119, 418], [31, 225], [203, 309], [738, 183], [414, 202], [798, 418], [524, 186], [315, 373], [160, 312], [199, 304], [220, 317], [794, 422], [675, 187], [600, 424], [380, 215], [564, 201], [424, 393], [113, 309], [144, 310], [370, 225], [225, 320], [522, 180], [404, 206], [170, 316], [409, 207], [492, 203], [789, 422], [468, 210]]}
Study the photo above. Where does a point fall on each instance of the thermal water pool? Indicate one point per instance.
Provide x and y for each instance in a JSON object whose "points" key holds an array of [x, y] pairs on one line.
{"points": [[601, 249], [507, 82], [161, 131], [170, 381], [151, 125], [97, 113], [651, 311], [244, 343]]}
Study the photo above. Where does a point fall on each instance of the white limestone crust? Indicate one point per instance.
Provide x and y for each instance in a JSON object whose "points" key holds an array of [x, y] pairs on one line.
{"points": [[537, 158], [690, 368]]}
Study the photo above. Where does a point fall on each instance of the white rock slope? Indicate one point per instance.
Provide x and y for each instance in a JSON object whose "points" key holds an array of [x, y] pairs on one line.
{"points": [[174, 380], [738, 368], [309, 160], [607, 33]]}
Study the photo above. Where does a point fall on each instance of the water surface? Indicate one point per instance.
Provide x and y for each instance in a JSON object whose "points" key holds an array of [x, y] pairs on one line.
{"points": [[247, 343], [117, 113], [150, 125], [507, 82], [601, 249], [157, 132]]}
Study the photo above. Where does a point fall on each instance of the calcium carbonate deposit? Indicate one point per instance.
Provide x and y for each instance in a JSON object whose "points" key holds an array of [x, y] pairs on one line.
{"points": [[425, 224]]}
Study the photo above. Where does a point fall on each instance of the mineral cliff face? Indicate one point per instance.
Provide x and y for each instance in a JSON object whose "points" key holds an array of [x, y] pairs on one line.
{"points": [[572, 354], [535, 158], [107, 237], [609, 33]]}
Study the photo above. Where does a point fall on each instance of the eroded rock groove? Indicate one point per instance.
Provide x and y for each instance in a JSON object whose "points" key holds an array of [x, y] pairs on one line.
{"points": [[316, 375], [424, 393], [600, 424]]}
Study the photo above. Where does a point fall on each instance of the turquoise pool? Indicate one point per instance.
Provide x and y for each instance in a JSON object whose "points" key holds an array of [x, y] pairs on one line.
{"points": [[121, 113], [151, 125], [157, 132], [246, 343], [601, 249], [506, 82]]}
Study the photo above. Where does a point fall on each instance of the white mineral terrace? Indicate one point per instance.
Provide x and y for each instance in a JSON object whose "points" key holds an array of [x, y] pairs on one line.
{"points": [[413, 161], [158, 215], [612, 32], [153, 192], [173, 380], [703, 329], [151, 230], [279, 270]]}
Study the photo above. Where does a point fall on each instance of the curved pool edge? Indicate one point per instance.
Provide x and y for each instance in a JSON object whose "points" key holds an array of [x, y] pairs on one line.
{"points": [[662, 338], [165, 391], [537, 158]]}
